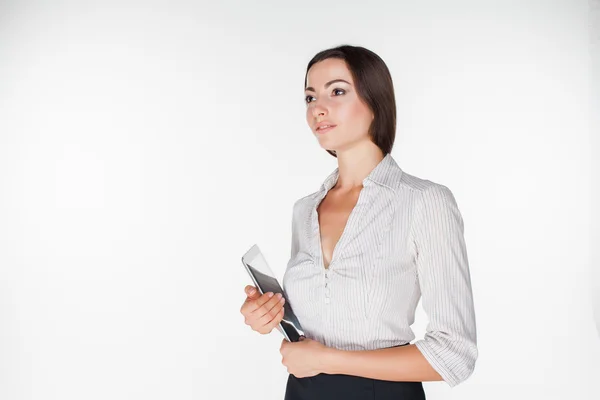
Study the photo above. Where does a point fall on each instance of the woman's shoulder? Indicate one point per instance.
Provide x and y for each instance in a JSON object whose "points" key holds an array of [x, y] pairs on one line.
{"points": [[412, 182], [430, 195], [305, 201]]}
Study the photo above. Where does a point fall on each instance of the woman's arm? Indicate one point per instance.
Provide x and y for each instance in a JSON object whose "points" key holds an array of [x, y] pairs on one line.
{"points": [[404, 363], [449, 349], [450, 342]]}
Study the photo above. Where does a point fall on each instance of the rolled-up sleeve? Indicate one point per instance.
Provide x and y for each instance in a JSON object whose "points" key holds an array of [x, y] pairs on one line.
{"points": [[450, 342]]}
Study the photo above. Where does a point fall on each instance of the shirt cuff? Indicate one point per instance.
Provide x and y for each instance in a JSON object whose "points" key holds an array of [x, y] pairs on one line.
{"points": [[454, 362]]}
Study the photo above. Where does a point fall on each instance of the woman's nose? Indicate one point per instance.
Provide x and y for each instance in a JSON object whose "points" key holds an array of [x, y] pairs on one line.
{"points": [[318, 111]]}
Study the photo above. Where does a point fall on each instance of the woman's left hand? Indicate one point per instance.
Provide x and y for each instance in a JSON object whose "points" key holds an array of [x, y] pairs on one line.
{"points": [[303, 358]]}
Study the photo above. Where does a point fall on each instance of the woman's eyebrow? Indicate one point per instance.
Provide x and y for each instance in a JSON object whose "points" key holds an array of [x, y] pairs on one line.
{"points": [[327, 84]]}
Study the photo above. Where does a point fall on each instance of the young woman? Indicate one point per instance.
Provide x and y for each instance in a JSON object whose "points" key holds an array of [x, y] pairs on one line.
{"points": [[366, 247]]}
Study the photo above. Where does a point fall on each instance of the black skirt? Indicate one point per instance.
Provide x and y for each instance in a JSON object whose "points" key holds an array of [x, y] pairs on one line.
{"points": [[348, 387]]}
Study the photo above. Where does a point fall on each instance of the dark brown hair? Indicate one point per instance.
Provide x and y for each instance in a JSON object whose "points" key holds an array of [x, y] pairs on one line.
{"points": [[373, 85]]}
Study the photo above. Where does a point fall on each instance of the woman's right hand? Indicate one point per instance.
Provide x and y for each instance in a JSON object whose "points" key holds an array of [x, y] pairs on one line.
{"points": [[262, 312]]}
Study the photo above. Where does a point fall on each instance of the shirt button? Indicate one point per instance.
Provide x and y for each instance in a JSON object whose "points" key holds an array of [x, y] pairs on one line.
{"points": [[327, 300]]}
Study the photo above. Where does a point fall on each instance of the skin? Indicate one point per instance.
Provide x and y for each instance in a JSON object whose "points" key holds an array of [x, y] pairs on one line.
{"points": [[262, 312], [339, 104]]}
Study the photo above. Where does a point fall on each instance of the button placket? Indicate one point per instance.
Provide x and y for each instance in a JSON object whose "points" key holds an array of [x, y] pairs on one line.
{"points": [[327, 289]]}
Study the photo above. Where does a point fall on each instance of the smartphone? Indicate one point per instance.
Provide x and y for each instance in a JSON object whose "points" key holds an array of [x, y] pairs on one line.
{"points": [[265, 281]]}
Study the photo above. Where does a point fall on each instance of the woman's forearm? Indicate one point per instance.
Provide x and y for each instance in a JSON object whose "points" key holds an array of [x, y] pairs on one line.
{"points": [[404, 363]]}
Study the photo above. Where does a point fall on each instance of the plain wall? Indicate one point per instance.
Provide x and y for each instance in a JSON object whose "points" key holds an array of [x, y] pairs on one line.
{"points": [[595, 153], [145, 146]]}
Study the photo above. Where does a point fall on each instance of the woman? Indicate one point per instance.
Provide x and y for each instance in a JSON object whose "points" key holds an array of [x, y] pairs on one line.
{"points": [[365, 248]]}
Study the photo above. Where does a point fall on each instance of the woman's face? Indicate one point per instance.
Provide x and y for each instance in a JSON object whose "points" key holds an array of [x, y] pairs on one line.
{"points": [[331, 99]]}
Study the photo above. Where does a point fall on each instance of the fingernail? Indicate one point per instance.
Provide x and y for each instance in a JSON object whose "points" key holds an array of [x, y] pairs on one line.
{"points": [[251, 292], [279, 295], [270, 294]]}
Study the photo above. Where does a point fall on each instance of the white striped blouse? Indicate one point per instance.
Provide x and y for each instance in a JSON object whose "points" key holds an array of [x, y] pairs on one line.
{"points": [[402, 241]]}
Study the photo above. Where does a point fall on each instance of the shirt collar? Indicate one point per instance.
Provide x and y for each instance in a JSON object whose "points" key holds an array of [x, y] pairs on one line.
{"points": [[387, 173]]}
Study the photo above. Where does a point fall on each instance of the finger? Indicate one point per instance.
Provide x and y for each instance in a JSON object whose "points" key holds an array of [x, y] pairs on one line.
{"points": [[272, 318], [268, 327], [276, 320], [251, 293], [270, 308], [262, 305], [265, 298], [250, 306]]}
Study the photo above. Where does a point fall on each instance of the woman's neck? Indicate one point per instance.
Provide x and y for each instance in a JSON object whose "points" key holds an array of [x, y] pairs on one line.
{"points": [[354, 166]]}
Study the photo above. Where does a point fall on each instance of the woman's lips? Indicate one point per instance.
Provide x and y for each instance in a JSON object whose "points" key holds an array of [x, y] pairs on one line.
{"points": [[325, 130]]}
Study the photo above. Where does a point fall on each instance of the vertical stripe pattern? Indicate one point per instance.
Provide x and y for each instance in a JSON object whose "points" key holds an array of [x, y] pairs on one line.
{"points": [[403, 241]]}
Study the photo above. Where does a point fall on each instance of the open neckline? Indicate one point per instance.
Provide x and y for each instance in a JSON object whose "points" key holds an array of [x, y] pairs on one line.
{"points": [[337, 245]]}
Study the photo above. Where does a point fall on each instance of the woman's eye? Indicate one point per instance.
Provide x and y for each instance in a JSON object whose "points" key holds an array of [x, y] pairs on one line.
{"points": [[307, 99]]}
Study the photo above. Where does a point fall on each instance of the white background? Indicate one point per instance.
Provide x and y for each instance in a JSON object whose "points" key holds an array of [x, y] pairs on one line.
{"points": [[144, 147]]}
